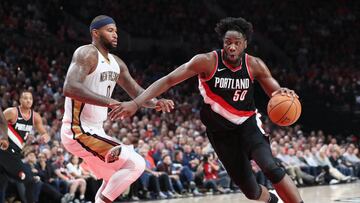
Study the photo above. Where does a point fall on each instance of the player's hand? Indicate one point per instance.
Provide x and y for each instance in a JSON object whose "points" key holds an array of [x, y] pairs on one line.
{"points": [[285, 91], [29, 138], [44, 138], [4, 143], [164, 105], [123, 110]]}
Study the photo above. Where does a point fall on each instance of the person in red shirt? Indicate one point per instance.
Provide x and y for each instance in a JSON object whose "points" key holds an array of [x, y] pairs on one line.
{"points": [[211, 179]]}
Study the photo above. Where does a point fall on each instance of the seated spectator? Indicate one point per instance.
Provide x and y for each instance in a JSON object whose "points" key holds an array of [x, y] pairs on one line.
{"points": [[324, 161], [211, 178], [77, 179], [167, 166], [157, 182], [64, 177]]}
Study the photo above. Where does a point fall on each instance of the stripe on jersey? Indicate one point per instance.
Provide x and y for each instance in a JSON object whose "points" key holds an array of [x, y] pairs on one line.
{"points": [[95, 144], [220, 106], [15, 137]]}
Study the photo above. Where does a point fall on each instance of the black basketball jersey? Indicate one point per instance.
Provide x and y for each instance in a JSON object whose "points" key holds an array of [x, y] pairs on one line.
{"points": [[19, 130], [228, 94]]}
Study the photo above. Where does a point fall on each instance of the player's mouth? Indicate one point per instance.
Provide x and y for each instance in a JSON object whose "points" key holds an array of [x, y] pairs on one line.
{"points": [[232, 57]]}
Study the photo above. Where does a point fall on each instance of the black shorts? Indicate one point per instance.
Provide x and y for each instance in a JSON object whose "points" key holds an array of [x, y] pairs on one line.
{"points": [[236, 147], [11, 166]]}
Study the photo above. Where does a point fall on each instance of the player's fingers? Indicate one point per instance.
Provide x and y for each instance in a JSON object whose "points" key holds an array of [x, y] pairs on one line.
{"points": [[167, 107], [115, 111], [157, 108], [172, 104], [275, 92], [283, 92], [114, 114], [161, 104]]}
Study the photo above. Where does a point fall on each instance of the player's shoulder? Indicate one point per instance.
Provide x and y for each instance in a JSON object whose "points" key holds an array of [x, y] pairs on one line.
{"points": [[118, 59], [208, 57], [86, 51], [11, 110], [256, 64], [11, 113], [253, 60]]}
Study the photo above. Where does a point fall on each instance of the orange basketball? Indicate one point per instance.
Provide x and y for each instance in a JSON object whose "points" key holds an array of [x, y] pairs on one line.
{"points": [[284, 110]]}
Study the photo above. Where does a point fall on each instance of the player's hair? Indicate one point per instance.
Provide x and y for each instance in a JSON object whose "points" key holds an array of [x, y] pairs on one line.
{"points": [[235, 24], [25, 91]]}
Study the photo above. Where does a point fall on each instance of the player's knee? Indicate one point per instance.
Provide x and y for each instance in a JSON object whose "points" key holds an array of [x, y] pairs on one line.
{"points": [[252, 194], [138, 164], [274, 173]]}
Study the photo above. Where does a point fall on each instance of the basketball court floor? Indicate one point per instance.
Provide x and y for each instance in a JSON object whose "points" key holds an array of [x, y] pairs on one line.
{"points": [[341, 193]]}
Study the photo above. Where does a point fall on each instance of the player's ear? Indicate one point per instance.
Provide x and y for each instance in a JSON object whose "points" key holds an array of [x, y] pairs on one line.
{"points": [[94, 33]]}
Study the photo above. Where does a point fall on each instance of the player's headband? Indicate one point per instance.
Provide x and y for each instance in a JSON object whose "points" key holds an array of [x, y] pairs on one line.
{"points": [[101, 23]]}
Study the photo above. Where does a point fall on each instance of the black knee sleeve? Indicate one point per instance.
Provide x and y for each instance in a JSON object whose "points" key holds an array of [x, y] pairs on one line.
{"points": [[275, 174], [252, 193]]}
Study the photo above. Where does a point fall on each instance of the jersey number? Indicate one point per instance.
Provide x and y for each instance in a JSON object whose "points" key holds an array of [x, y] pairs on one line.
{"points": [[108, 91], [239, 95]]}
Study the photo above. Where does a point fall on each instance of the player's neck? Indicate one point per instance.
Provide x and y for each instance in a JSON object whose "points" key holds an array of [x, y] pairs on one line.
{"points": [[25, 110], [104, 51], [233, 64]]}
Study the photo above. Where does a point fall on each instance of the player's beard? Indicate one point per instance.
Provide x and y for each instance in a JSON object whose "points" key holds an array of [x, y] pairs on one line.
{"points": [[108, 45]]}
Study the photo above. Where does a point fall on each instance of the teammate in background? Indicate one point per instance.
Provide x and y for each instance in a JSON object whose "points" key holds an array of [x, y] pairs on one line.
{"points": [[20, 121], [89, 83], [226, 82]]}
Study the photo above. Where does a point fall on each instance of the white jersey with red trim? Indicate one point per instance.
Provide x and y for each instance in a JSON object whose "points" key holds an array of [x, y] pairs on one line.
{"points": [[102, 81], [229, 92]]}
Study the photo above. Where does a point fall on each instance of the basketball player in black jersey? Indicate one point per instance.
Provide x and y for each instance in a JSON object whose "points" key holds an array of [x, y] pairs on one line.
{"points": [[21, 121], [226, 83]]}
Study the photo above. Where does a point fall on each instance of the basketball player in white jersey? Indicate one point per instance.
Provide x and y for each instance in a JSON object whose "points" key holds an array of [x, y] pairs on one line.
{"points": [[90, 81]]}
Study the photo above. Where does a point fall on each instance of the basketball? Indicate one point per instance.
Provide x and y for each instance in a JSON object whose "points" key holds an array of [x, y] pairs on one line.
{"points": [[284, 110]]}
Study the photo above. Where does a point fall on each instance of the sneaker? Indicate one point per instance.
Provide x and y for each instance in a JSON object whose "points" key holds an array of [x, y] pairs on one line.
{"points": [[196, 193], [66, 198], [333, 181], [161, 195], [277, 195]]}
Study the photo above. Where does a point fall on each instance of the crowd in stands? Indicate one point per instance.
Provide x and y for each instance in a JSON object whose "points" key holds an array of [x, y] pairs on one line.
{"points": [[179, 158]]}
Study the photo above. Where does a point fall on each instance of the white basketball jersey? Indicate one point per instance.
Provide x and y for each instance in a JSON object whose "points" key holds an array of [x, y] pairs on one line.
{"points": [[102, 81]]}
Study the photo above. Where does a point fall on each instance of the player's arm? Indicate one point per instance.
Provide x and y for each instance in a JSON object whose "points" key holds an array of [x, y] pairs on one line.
{"points": [[201, 64], [127, 82], [3, 125], [83, 63], [4, 143], [39, 126], [262, 74]]}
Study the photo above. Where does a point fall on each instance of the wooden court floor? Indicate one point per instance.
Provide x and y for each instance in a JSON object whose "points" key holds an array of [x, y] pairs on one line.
{"points": [[341, 193]]}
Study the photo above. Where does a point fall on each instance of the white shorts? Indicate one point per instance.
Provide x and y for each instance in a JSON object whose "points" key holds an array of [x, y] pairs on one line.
{"points": [[92, 145]]}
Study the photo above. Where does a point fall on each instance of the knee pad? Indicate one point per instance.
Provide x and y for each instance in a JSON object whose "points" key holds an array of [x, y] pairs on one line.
{"points": [[275, 174], [252, 194]]}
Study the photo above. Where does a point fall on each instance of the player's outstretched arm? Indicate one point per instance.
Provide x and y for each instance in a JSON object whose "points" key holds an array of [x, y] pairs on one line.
{"points": [[132, 88], [262, 74], [197, 65], [83, 63]]}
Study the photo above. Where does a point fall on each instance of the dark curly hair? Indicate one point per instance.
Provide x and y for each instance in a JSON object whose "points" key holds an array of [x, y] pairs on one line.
{"points": [[236, 24]]}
